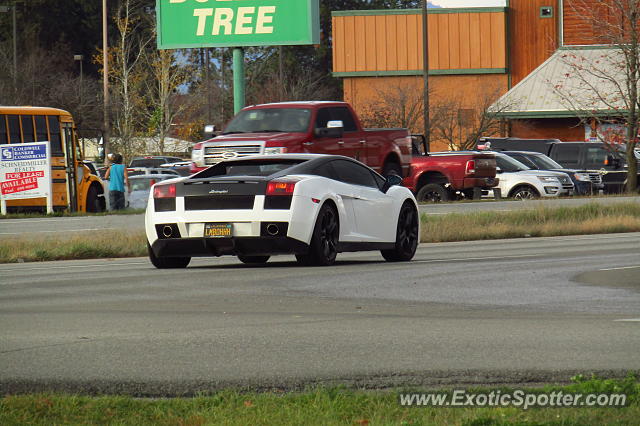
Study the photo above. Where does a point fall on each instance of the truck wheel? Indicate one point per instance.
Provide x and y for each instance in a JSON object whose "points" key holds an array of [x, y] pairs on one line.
{"points": [[524, 192], [253, 259], [406, 235], [392, 168], [433, 193], [167, 262]]}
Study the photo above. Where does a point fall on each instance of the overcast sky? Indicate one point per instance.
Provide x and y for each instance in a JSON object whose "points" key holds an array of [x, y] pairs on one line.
{"points": [[469, 3]]}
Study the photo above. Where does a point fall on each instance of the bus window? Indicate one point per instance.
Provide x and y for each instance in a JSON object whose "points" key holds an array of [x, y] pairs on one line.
{"points": [[41, 129], [27, 129], [3, 129], [54, 131], [14, 129]]}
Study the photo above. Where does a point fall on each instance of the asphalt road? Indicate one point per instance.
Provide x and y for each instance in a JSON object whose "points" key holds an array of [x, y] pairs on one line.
{"points": [[509, 311], [11, 228]]}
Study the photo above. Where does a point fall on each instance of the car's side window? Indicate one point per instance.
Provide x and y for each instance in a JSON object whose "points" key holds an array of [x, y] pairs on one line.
{"points": [[353, 173], [324, 116], [568, 156], [343, 114], [325, 170], [526, 161]]}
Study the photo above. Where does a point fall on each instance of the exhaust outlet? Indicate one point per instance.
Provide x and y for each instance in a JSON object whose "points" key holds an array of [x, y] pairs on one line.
{"points": [[167, 231], [272, 229]]}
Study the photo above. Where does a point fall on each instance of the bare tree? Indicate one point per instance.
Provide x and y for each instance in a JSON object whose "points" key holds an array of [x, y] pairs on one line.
{"points": [[127, 75], [601, 86], [400, 105], [460, 122], [166, 77]]}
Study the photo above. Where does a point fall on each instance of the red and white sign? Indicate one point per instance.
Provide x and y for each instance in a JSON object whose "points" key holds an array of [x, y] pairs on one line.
{"points": [[25, 171]]}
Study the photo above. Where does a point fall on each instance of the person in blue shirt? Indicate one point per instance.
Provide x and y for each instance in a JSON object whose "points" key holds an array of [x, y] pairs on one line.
{"points": [[118, 177]]}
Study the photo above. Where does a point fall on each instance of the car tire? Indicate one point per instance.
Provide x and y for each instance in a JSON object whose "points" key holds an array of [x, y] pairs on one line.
{"points": [[323, 248], [433, 193], [253, 259], [392, 168], [524, 192], [407, 235], [167, 262]]}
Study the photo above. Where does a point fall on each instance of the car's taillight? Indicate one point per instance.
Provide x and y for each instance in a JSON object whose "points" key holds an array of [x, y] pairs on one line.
{"points": [[471, 167], [164, 191], [281, 187], [197, 146]]}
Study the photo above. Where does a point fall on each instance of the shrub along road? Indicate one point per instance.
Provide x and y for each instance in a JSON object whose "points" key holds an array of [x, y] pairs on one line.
{"points": [[11, 228], [509, 311]]}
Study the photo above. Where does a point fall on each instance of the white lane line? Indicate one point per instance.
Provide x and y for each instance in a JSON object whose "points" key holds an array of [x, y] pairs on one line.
{"points": [[520, 256], [25, 221], [55, 232], [72, 266], [620, 268], [628, 320]]}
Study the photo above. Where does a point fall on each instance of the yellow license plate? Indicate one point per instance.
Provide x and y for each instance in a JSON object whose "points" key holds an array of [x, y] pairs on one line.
{"points": [[218, 230]]}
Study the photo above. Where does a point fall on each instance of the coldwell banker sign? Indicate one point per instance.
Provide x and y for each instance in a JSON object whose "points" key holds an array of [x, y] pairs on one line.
{"points": [[25, 172], [235, 23]]}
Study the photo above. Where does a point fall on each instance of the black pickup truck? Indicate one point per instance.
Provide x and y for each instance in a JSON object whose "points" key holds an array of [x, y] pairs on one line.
{"points": [[587, 156]]}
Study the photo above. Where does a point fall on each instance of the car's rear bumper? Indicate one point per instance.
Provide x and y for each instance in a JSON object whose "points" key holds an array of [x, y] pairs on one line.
{"points": [[248, 246]]}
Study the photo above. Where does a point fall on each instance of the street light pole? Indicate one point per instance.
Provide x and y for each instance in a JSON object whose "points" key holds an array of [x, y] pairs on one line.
{"points": [[80, 58], [15, 49], [105, 60], [425, 73]]}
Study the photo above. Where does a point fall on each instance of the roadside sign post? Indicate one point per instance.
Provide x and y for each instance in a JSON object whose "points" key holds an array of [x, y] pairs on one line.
{"points": [[25, 172], [236, 24]]}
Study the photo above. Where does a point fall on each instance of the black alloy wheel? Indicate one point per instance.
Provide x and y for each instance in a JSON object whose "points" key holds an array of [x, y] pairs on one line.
{"points": [[433, 193], [407, 235], [324, 242]]}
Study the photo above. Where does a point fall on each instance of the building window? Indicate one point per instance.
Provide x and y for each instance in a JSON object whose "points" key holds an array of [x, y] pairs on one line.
{"points": [[546, 12]]}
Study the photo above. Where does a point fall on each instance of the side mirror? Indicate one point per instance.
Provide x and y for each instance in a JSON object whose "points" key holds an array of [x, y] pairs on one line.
{"points": [[391, 180], [498, 170], [334, 129], [210, 131]]}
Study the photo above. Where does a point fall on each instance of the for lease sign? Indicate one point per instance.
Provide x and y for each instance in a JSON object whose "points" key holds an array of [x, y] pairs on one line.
{"points": [[25, 171], [235, 23]]}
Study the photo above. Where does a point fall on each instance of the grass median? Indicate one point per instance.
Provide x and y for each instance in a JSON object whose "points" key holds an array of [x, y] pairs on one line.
{"points": [[337, 406], [538, 222]]}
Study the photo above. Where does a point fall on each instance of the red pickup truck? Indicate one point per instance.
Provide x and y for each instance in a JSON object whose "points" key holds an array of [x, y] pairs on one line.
{"points": [[306, 127], [444, 176]]}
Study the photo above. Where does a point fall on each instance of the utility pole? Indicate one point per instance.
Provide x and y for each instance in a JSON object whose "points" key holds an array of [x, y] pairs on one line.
{"points": [[105, 59], [425, 73], [15, 48]]}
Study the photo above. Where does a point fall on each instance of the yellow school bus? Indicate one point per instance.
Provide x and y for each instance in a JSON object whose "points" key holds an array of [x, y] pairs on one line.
{"points": [[74, 187]]}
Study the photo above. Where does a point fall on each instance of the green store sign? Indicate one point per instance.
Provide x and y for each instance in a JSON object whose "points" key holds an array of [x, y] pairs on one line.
{"points": [[235, 23]]}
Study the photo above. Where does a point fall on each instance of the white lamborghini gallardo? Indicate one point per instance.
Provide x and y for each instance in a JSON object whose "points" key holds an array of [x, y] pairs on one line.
{"points": [[313, 206]]}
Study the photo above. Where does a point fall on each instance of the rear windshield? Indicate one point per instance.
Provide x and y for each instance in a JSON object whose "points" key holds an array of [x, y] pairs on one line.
{"points": [[147, 162], [248, 168]]}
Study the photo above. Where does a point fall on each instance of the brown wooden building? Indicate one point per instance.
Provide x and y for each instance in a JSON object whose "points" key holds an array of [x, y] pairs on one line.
{"points": [[475, 54]]}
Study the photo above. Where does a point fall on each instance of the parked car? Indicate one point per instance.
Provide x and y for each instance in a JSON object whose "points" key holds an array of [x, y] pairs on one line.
{"points": [[141, 186], [443, 176], [520, 182], [313, 206], [306, 127], [150, 162], [152, 171], [584, 182], [595, 157], [182, 167]]}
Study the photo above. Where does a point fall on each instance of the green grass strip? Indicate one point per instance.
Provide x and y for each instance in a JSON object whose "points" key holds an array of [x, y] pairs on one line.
{"points": [[335, 406], [540, 222]]}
